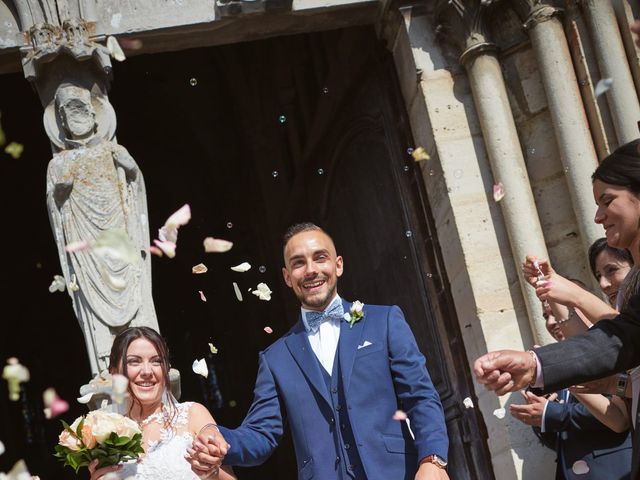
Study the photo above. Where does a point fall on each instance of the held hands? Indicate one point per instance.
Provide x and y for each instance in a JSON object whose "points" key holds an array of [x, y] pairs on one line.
{"points": [[207, 452], [505, 371], [101, 472], [531, 412], [429, 471]]}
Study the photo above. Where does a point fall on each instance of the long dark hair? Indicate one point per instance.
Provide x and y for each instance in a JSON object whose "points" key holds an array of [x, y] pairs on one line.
{"points": [[621, 168], [601, 245], [118, 357]]}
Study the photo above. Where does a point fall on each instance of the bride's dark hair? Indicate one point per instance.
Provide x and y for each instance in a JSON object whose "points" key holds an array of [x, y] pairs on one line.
{"points": [[118, 359]]}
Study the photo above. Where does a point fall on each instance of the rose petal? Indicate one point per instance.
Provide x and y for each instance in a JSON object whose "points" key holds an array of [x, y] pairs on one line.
{"points": [[115, 50], [499, 413], [73, 284], [119, 384], [420, 154], [268, 330], [179, 218], [115, 243], [202, 297], [85, 398], [213, 349], [168, 248], [2, 449], [263, 292], [58, 284], [467, 402], [498, 191], [399, 416], [602, 86], [15, 374], [131, 43], [79, 246], [155, 251], [14, 149], [216, 245], [238, 292], [580, 467], [19, 471], [243, 267], [200, 268], [200, 367], [54, 405]]}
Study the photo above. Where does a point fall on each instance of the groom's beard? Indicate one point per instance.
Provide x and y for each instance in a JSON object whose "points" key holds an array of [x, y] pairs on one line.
{"points": [[320, 302]]}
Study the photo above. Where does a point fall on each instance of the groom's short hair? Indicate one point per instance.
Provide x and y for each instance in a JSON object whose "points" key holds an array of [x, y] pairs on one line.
{"points": [[299, 228]]}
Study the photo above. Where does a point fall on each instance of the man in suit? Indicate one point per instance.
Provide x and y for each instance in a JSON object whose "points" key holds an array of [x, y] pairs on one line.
{"points": [[337, 382], [565, 425]]}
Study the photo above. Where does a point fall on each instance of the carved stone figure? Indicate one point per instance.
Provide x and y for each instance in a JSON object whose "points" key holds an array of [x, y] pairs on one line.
{"points": [[93, 185]]}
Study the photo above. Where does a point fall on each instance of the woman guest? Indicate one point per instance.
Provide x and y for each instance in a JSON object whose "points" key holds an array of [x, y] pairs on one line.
{"points": [[168, 427]]}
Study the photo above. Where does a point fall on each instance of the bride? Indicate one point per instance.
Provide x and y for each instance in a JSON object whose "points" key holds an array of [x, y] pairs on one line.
{"points": [[168, 427]]}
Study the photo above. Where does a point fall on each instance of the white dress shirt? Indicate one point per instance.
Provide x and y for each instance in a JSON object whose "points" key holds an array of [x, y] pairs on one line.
{"points": [[324, 342]]}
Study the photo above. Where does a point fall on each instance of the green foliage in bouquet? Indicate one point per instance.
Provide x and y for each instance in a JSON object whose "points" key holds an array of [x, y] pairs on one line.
{"points": [[112, 451]]}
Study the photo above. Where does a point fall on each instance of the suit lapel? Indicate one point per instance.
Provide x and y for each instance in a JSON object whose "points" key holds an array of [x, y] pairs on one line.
{"points": [[298, 345], [348, 345]]}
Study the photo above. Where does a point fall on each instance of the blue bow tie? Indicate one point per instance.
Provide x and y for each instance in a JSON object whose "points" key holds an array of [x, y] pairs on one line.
{"points": [[314, 319]]}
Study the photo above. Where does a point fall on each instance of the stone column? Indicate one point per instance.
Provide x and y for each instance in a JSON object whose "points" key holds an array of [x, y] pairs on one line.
{"points": [[612, 61], [571, 127], [463, 23]]}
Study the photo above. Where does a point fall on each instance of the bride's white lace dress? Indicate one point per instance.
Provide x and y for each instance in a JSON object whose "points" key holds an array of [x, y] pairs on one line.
{"points": [[164, 459]]}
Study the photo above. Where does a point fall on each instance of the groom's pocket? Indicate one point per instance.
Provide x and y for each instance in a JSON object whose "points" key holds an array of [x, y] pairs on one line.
{"points": [[306, 472]]}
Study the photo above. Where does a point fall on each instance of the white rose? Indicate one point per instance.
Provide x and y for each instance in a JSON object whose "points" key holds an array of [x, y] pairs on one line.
{"points": [[127, 428], [102, 424], [357, 306]]}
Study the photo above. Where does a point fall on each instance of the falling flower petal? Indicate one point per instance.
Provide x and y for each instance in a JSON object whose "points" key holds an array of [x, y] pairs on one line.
{"points": [[115, 243], [263, 292], [54, 405], [168, 248], [119, 384], [467, 402], [15, 374], [499, 413], [18, 472], [200, 268], [580, 467], [243, 267], [498, 191], [85, 398], [202, 297], [155, 251], [73, 284], [238, 292], [603, 85], [169, 232], [268, 330], [2, 449], [200, 367], [420, 154], [131, 43], [115, 50], [216, 245], [213, 349], [14, 149], [80, 246], [58, 284], [400, 416]]}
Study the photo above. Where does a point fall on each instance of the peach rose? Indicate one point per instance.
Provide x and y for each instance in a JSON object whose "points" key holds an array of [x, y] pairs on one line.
{"points": [[87, 436], [67, 439]]}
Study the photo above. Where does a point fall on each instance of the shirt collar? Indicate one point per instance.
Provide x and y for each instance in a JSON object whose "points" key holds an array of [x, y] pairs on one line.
{"points": [[303, 311]]}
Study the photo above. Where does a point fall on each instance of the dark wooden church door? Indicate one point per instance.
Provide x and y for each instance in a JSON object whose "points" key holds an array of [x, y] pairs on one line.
{"points": [[255, 136]]}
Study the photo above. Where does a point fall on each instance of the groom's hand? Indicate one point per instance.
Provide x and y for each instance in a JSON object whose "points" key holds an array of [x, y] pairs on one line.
{"points": [[207, 452], [430, 471]]}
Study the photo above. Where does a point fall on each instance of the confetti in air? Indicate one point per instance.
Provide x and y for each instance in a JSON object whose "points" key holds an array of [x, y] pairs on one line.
{"points": [[580, 467], [213, 349], [58, 284], [131, 43], [269, 330], [14, 149], [200, 367], [420, 154], [263, 292], [499, 413], [216, 245], [79, 246], [400, 416], [200, 268], [243, 267], [114, 49], [467, 402], [238, 292], [202, 297], [15, 374], [602, 86], [1, 448], [498, 191], [53, 404]]}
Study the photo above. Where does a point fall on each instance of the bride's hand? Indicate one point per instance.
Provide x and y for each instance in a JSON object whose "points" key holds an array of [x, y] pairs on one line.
{"points": [[101, 472]]}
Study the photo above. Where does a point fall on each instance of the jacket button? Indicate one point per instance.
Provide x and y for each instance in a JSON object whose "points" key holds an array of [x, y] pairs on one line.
{"points": [[337, 460], [347, 446], [338, 407], [332, 420], [334, 390]]}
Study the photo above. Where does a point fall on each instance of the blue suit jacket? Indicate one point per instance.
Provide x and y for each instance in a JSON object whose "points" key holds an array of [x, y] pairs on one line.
{"points": [[378, 379], [576, 434]]}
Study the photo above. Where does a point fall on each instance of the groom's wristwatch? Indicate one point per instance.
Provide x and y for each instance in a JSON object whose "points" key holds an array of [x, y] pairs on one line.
{"points": [[436, 460]]}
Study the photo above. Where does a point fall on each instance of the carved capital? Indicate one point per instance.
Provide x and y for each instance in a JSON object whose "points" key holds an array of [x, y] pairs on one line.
{"points": [[533, 12], [463, 23]]}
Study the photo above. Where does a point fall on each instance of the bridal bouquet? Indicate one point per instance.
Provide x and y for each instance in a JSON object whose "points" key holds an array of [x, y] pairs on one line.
{"points": [[109, 437]]}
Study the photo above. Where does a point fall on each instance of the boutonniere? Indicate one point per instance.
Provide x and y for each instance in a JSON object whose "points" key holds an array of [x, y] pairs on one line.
{"points": [[355, 313]]}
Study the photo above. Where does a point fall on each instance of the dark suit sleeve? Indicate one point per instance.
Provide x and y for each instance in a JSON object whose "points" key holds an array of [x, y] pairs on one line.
{"points": [[254, 441], [574, 417], [548, 439], [609, 347], [416, 394]]}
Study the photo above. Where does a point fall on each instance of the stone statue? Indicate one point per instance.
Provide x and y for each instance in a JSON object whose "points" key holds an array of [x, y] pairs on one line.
{"points": [[93, 185]]}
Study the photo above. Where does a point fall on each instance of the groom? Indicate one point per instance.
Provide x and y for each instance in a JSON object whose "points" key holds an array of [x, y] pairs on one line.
{"points": [[338, 384]]}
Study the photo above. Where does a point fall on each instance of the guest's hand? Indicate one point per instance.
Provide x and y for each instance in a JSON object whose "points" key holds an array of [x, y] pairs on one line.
{"points": [[97, 474], [556, 288], [602, 385], [207, 452], [429, 471], [531, 272], [635, 28], [531, 412], [505, 370]]}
